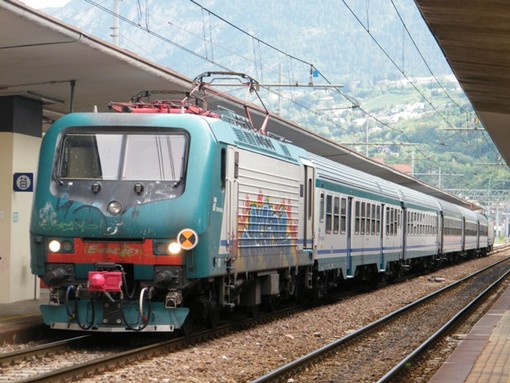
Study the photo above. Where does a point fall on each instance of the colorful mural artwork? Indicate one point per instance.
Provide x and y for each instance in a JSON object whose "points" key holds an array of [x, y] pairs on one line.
{"points": [[265, 227]]}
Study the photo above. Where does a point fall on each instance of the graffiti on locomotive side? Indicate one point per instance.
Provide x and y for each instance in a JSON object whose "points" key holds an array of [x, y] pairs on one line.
{"points": [[266, 226]]}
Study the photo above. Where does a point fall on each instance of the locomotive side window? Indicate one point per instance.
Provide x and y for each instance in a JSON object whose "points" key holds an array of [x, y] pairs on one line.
{"points": [[223, 170]]}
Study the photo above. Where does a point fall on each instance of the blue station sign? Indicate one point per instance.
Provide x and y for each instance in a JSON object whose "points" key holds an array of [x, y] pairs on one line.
{"points": [[23, 182]]}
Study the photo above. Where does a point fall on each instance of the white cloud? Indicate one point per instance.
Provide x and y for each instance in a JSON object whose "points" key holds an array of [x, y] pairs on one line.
{"points": [[38, 4]]}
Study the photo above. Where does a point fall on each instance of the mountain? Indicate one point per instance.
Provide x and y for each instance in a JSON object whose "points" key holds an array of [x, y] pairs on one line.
{"points": [[339, 38]]}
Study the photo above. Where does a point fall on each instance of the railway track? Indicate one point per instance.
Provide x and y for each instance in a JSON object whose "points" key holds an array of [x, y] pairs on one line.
{"points": [[87, 355], [10, 358], [382, 350], [25, 364]]}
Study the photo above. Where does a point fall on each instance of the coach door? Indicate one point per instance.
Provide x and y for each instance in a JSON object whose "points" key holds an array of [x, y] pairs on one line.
{"points": [[405, 234], [308, 195], [350, 221], [463, 231], [478, 235], [380, 221]]}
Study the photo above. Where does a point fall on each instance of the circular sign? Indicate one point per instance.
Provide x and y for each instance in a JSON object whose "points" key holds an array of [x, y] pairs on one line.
{"points": [[187, 238], [23, 182]]}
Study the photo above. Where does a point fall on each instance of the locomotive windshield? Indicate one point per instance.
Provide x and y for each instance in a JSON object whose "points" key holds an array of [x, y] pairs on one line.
{"points": [[127, 156]]}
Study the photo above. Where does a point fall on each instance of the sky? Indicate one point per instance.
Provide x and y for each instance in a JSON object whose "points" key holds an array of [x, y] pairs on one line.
{"points": [[45, 3]]}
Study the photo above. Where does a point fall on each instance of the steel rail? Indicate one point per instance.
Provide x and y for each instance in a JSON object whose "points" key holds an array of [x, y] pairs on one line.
{"points": [[298, 364], [440, 332], [9, 358]]}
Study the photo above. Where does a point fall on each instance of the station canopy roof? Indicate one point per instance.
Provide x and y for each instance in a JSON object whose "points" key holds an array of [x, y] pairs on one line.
{"points": [[45, 59], [474, 36]]}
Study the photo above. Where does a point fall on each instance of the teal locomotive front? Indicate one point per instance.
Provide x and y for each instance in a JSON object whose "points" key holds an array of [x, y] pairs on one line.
{"points": [[122, 206]]}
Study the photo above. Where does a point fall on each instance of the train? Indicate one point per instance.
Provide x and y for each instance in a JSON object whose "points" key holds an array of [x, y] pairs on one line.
{"points": [[160, 214]]}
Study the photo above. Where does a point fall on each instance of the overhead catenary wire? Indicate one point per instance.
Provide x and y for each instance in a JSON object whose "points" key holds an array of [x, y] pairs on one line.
{"points": [[404, 25], [349, 98], [462, 109], [258, 62], [155, 34], [378, 44]]}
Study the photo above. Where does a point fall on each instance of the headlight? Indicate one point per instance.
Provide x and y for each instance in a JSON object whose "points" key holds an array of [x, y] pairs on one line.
{"points": [[67, 246], [54, 246], [114, 208], [174, 248]]}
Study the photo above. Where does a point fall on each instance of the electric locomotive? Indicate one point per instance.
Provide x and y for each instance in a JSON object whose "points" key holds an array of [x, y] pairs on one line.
{"points": [[139, 216]]}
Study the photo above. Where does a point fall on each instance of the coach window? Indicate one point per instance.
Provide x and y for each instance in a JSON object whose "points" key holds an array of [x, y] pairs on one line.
{"points": [[321, 208], [329, 214], [395, 221], [391, 221], [336, 215], [393, 213], [367, 231], [370, 219], [343, 215], [363, 218], [387, 221], [373, 220], [378, 220], [357, 219]]}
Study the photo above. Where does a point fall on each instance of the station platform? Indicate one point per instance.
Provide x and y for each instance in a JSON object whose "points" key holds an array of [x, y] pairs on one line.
{"points": [[21, 320], [484, 355]]}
